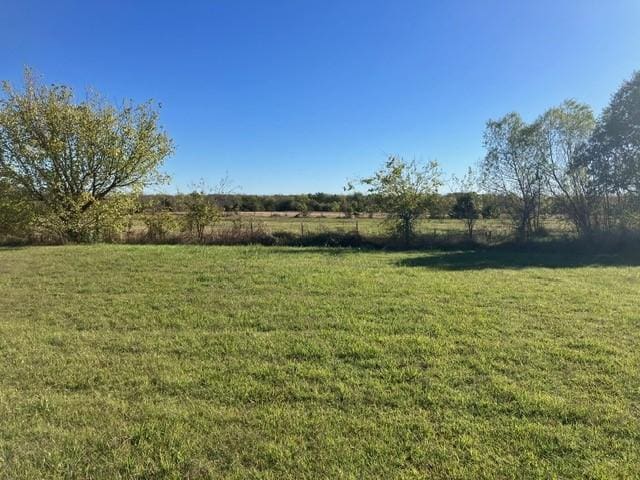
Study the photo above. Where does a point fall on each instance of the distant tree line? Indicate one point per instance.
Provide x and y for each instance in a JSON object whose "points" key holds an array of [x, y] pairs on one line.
{"points": [[354, 204], [315, 202]]}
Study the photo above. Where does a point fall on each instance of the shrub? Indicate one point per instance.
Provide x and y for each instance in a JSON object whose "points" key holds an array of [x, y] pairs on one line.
{"points": [[160, 223], [200, 214]]}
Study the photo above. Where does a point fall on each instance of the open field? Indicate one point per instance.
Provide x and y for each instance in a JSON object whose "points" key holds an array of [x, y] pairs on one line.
{"points": [[364, 225], [317, 222], [255, 362]]}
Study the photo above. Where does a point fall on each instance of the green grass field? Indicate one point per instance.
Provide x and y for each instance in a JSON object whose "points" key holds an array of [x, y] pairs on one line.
{"points": [[368, 226], [280, 222], [257, 362], [495, 230]]}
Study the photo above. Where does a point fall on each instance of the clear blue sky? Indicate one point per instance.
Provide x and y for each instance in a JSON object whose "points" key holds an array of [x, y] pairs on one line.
{"points": [[299, 95]]}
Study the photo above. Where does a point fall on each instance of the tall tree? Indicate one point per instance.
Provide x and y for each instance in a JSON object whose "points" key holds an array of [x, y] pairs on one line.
{"points": [[561, 134], [614, 150], [512, 170], [612, 157], [70, 155]]}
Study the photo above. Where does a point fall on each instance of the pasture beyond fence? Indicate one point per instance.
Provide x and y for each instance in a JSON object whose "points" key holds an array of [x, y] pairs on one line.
{"points": [[285, 229], [312, 229]]}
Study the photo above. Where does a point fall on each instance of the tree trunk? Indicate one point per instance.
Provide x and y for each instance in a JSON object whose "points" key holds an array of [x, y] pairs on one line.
{"points": [[406, 227]]}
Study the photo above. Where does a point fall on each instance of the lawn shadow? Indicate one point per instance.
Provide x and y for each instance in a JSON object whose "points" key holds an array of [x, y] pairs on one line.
{"points": [[331, 251], [8, 247], [518, 259]]}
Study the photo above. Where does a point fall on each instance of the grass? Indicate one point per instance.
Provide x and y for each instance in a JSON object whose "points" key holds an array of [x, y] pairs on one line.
{"points": [[285, 229], [278, 222], [366, 226], [255, 362]]}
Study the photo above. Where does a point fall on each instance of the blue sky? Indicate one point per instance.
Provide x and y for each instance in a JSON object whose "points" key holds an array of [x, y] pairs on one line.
{"points": [[300, 95]]}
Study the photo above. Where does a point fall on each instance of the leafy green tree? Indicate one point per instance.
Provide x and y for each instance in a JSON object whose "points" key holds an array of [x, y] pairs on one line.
{"points": [[615, 146], [335, 207], [68, 156], [347, 208], [489, 210], [440, 206], [404, 191], [300, 205], [561, 132], [467, 208], [612, 157], [512, 169], [112, 216]]}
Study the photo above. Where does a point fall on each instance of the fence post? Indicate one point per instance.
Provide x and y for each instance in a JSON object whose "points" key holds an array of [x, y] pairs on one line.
{"points": [[301, 228], [357, 229]]}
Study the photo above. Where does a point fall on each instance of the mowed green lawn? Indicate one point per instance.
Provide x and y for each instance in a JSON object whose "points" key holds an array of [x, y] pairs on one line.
{"points": [[256, 362]]}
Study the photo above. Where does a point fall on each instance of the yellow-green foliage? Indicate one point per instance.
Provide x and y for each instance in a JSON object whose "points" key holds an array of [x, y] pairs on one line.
{"points": [[113, 217], [105, 220], [16, 214], [200, 214], [159, 223], [70, 157], [404, 191]]}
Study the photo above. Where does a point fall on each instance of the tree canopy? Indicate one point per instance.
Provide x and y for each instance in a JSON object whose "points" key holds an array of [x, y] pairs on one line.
{"points": [[69, 155], [560, 134], [613, 154], [510, 169], [404, 191]]}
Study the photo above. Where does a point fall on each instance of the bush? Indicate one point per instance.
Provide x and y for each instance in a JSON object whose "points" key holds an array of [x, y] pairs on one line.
{"points": [[111, 217], [200, 214], [159, 223]]}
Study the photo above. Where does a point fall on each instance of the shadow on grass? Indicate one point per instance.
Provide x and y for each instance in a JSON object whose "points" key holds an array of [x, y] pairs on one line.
{"points": [[7, 247], [330, 251], [501, 258]]}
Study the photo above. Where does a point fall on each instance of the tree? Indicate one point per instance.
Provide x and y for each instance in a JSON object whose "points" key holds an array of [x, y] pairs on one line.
{"points": [[489, 210], [615, 146], [441, 205], [612, 157], [512, 170], [68, 156], [404, 191], [467, 203], [301, 206], [561, 133], [347, 208], [467, 208]]}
